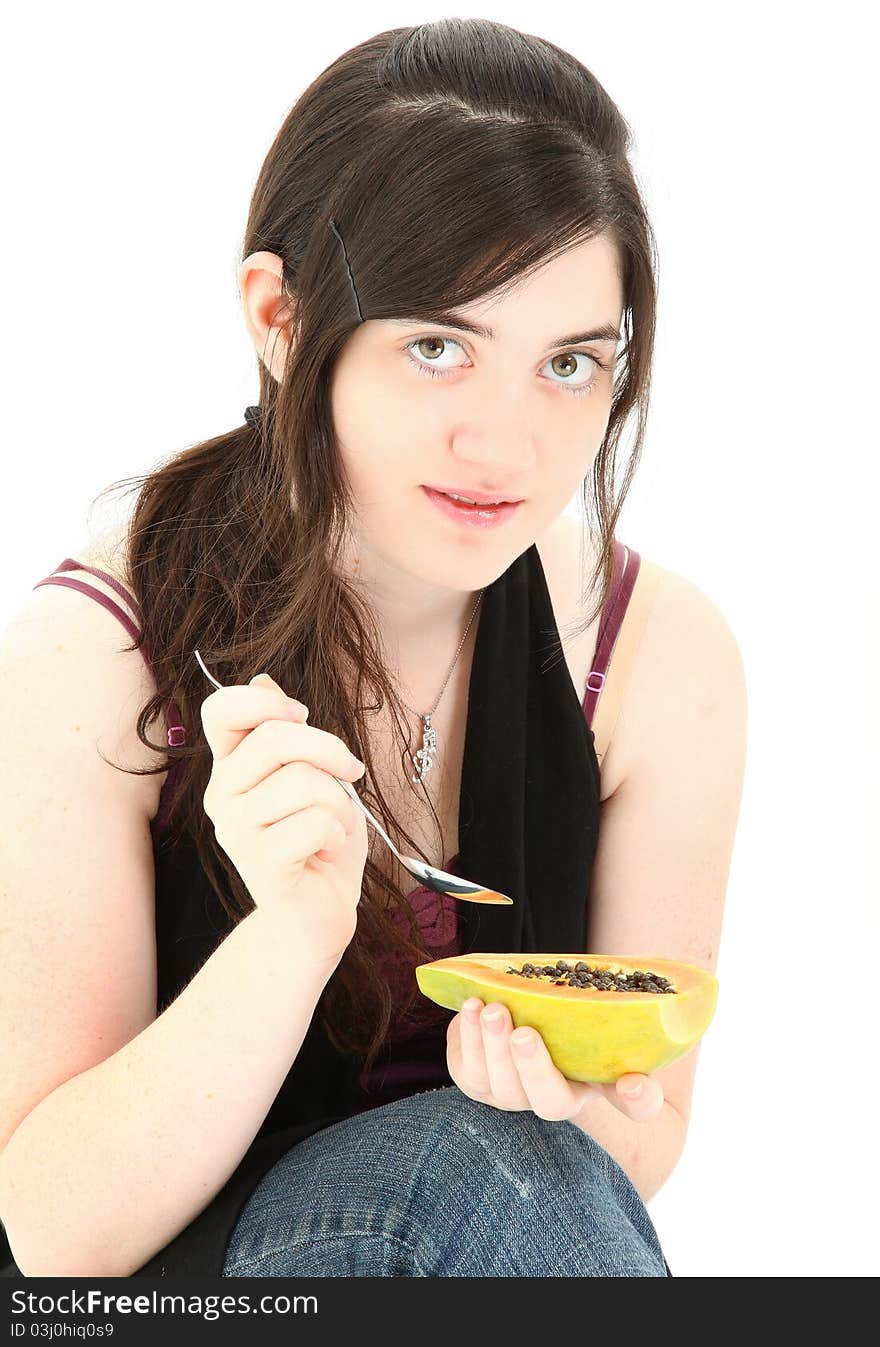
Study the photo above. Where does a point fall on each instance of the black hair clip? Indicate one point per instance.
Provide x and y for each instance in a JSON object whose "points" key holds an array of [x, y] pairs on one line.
{"points": [[253, 415]]}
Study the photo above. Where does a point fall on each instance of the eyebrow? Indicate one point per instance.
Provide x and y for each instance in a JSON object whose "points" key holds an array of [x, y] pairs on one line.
{"points": [[447, 318]]}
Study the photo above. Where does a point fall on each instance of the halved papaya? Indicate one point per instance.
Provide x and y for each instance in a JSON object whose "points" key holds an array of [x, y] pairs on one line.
{"points": [[594, 1032]]}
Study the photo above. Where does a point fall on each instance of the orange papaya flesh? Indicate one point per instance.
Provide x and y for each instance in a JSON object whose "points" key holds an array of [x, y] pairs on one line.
{"points": [[591, 1034]]}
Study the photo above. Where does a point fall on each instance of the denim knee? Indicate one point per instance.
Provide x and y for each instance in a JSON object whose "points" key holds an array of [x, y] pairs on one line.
{"points": [[546, 1199], [439, 1185]]}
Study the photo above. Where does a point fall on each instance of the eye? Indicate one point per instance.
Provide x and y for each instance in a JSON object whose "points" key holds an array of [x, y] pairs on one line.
{"points": [[433, 342], [582, 363], [579, 369]]}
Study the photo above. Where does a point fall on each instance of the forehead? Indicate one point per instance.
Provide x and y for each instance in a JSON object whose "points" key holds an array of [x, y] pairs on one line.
{"points": [[587, 269], [577, 289]]}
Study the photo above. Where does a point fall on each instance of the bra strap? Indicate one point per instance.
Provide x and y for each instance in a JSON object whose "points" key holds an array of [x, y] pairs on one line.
{"points": [[623, 653]]}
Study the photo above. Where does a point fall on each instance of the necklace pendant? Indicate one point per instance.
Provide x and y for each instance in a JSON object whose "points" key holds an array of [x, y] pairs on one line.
{"points": [[422, 759]]}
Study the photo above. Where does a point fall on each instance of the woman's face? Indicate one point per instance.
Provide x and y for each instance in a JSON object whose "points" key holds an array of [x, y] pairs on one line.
{"points": [[520, 415]]}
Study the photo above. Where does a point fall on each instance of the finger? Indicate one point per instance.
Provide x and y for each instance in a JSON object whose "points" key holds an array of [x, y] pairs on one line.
{"points": [[473, 1056], [277, 743], [231, 713], [290, 788], [506, 1087], [550, 1094], [642, 1105], [267, 681]]}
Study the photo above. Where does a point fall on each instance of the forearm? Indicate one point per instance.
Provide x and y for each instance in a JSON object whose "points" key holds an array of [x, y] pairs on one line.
{"points": [[112, 1164], [647, 1152]]}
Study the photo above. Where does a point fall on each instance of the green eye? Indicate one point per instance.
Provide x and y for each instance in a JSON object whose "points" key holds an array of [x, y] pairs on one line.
{"points": [[568, 386]]}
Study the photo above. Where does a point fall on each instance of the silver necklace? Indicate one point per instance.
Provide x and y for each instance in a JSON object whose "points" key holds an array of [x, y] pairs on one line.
{"points": [[423, 759]]}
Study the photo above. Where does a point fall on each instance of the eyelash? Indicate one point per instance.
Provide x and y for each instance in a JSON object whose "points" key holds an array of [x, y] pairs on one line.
{"points": [[580, 391]]}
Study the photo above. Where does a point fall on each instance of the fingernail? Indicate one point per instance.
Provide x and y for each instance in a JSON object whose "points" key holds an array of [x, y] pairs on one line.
{"points": [[633, 1089], [525, 1045], [470, 1008], [357, 765]]}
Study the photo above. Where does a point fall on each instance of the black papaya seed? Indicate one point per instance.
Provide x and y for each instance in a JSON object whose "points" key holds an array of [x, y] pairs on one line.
{"points": [[562, 974]]}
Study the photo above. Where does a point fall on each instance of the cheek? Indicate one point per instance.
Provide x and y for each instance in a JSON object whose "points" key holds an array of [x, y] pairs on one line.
{"points": [[375, 424], [380, 468], [578, 455]]}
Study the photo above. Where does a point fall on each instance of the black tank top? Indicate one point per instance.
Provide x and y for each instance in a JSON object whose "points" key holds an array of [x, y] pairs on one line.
{"points": [[528, 826]]}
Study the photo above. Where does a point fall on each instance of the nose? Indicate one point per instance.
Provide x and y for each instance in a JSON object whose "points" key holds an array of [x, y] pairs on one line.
{"points": [[499, 455]]}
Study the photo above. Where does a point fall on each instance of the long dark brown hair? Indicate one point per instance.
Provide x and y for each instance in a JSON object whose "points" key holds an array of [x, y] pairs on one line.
{"points": [[514, 150]]}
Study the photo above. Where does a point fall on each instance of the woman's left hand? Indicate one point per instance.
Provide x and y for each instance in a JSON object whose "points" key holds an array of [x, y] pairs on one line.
{"points": [[511, 1069]]}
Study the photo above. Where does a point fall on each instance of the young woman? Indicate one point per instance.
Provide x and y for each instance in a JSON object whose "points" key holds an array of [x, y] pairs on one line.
{"points": [[217, 1057]]}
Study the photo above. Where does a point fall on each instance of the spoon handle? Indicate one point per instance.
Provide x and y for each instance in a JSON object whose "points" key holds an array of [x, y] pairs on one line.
{"points": [[350, 791]]}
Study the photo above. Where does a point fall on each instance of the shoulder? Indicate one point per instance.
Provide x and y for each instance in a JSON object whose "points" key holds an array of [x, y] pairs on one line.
{"points": [[688, 634], [687, 686], [124, 677], [106, 551], [109, 551], [686, 659], [572, 550]]}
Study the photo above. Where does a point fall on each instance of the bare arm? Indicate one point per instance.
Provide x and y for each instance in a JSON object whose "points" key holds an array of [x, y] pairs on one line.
{"points": [[117, 1160], [647, 1151], [667, 834]]}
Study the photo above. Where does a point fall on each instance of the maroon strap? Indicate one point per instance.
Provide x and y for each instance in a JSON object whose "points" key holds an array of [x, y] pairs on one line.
{"points": [[176, 731], [626, 568]]}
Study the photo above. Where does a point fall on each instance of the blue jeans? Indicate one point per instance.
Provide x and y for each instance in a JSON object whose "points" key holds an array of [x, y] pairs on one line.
{"points": [[437, 1185]]}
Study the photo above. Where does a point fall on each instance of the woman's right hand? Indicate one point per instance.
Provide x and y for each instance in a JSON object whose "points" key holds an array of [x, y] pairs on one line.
{"points": [[296, 839]]}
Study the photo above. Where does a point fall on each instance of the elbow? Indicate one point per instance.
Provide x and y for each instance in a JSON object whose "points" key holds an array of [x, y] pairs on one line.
{"points": [[674, 1150], [35, 1251], [36, 1259], [654, 1164], [8, 1220], [33, 1257]]}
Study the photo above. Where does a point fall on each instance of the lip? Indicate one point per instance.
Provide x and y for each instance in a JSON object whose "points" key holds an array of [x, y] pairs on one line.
{"points": [[471, 516], [481, 497]]}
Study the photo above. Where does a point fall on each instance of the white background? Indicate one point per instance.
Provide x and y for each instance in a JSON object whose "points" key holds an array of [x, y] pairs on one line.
{"points": [[132, 139]]}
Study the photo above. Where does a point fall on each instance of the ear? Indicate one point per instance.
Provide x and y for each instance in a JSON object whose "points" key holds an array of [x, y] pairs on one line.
{"points": [[268, 309]]}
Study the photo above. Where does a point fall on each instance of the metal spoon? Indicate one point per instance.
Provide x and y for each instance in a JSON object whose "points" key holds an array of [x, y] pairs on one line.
{"points": [[433, 878]]}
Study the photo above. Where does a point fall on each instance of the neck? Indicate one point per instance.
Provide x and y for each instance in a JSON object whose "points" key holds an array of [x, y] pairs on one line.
{"points": [[421, 624]]}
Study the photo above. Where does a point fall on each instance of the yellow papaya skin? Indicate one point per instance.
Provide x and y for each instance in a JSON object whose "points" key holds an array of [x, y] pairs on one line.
{"points": [[591, 1035]]}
